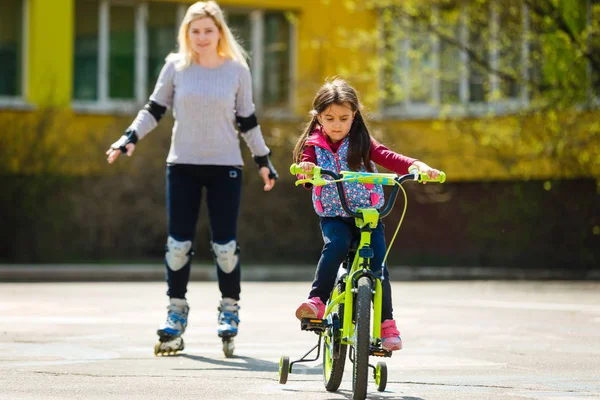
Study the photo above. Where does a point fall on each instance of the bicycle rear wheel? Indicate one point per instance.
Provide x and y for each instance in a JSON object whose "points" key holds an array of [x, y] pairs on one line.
{"points": [[360, 377]]}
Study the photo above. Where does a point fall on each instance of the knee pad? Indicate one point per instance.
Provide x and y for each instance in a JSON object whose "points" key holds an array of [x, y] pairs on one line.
{"points": [[178, 253], [226, 255]]}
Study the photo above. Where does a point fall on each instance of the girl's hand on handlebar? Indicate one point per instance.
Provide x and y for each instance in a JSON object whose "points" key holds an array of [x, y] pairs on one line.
{"points": [[432, 173], [307, 167]]}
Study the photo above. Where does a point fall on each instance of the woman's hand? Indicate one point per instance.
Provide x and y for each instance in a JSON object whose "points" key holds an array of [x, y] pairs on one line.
{"points": [[269, 182], [114, 153]]}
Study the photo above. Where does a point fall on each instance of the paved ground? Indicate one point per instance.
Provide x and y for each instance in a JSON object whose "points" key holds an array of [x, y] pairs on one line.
{"points": [[463, 340]]}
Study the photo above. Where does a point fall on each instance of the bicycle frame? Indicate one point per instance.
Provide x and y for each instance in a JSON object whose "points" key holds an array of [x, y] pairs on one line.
{"points": [[361, 266]]}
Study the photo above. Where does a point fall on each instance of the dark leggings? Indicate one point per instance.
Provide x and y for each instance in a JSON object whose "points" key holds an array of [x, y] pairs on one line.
{"points": [[185, 184], [338, 234]]}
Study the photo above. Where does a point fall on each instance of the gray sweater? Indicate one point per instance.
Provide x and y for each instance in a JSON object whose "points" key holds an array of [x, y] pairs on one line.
{"points": [[205, 102]]}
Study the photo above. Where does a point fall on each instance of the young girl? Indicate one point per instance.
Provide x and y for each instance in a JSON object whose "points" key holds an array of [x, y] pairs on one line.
{"points": [[337, 138]]}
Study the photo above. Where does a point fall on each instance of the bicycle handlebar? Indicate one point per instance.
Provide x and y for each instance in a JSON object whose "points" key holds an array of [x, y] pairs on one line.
{"points": [[363, 177]]}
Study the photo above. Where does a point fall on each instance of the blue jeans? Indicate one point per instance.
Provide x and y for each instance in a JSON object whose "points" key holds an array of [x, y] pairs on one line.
{"points": [[185, 184], [338, 234]]}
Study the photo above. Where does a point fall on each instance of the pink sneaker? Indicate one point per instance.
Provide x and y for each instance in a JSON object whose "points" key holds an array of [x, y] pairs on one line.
{"points": [[390, 336], [311, 308]]}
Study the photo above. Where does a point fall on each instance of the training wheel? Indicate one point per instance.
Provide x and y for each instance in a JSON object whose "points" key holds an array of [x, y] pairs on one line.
{"points": [[381, 376], [228, 347], [284, 369]]}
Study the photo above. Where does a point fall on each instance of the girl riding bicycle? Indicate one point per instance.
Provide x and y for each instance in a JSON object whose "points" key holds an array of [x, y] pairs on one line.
{"points": [[337, 138]]}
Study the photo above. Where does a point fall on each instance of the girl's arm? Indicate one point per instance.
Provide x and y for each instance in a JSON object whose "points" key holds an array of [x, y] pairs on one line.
{"points": [[389, 159]]}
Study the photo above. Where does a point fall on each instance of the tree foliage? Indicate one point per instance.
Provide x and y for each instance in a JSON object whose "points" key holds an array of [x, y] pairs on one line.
{"points": [[520, 77]]}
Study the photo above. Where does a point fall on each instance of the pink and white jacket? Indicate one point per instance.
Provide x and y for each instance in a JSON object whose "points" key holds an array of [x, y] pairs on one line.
{"points": [[333, 156]]}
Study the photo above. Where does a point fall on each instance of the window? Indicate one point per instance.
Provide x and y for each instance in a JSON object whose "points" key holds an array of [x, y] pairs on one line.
{"points": [[163, 24], [120, 48], [450, 55], [86, 51], [478, 40], [121, 52], [276, 70], [11, 48], [267, 37], [454, 53], [510, 47]]}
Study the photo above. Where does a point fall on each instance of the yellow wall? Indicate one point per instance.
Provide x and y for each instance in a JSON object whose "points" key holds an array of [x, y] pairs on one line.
{"points": [[50, 52], [325, 47], [328, 44]]}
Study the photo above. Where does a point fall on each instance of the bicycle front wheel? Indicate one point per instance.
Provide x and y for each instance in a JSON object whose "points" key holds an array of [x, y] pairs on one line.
{"points": [[362, 346], [334, 353]]}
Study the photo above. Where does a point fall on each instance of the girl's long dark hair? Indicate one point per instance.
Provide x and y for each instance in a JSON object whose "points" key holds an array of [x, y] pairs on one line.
{"points": [[359, 138]]}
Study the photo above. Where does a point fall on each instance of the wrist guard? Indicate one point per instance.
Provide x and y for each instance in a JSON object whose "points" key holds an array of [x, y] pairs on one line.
{"points": [[265, 161], [130, 136]]}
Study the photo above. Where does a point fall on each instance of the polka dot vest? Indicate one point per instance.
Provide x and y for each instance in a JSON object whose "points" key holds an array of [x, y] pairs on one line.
{"points": [[326, 201]]}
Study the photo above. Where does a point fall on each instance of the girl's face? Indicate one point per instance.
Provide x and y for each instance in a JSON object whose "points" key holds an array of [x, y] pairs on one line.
{"points": [[337, 121], [204, 36]]}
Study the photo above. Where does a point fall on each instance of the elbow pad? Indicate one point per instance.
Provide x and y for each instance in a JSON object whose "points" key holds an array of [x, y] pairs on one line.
{"points": [[155, 109], [265, 161], [246, 123]]}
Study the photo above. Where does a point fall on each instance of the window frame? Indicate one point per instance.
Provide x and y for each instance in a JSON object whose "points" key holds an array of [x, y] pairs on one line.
{"points": [[20, 102], [435, 108], [106, 105]]}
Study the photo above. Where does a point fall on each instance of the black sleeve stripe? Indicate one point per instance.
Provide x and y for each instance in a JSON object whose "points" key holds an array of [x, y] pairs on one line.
{"points": [[155, 109], [246, 123]]}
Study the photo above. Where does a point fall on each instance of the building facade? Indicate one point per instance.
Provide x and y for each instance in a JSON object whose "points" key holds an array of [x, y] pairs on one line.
{"points": [[101, 58]]}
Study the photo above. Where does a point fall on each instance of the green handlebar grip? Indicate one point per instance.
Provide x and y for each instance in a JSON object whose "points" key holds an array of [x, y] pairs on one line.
{"points": [[295, 169], [442, 177], [424, 178]]}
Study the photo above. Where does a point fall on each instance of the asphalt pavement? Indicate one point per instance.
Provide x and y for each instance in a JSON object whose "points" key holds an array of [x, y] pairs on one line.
{"points": [[462, 340]]}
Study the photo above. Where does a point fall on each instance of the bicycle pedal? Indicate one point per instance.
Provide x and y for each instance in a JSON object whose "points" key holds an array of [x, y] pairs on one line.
{"points": [[379, 352], [313, 324]]}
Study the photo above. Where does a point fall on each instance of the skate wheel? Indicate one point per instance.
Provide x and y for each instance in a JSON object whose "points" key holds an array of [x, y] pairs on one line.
{"points": [[170, 348], [284, 368], [381, 376], [228, 347]]}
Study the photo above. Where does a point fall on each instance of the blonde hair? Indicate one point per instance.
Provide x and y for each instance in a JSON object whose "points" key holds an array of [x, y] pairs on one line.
{"points": [[228, 46]]}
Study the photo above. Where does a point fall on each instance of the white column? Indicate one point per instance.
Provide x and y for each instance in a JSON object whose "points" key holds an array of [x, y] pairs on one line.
{"points": [[141, 53], [435, 60], [493, 52], [103, 49], [257, 32], [463, 88], [525, 57], [293, 64]]}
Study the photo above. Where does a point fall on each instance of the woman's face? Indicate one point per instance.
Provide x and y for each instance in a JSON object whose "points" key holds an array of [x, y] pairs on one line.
{"points": [[204, 36], [337, 121]]}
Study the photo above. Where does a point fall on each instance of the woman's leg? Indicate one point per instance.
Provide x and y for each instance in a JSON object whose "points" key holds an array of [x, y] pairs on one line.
{"points": [[224, 192], [184, 193], [337, 236], [379, 249]]}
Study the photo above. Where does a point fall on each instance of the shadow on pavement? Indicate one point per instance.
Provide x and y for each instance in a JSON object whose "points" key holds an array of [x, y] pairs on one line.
{"points": [[249, 364]]}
